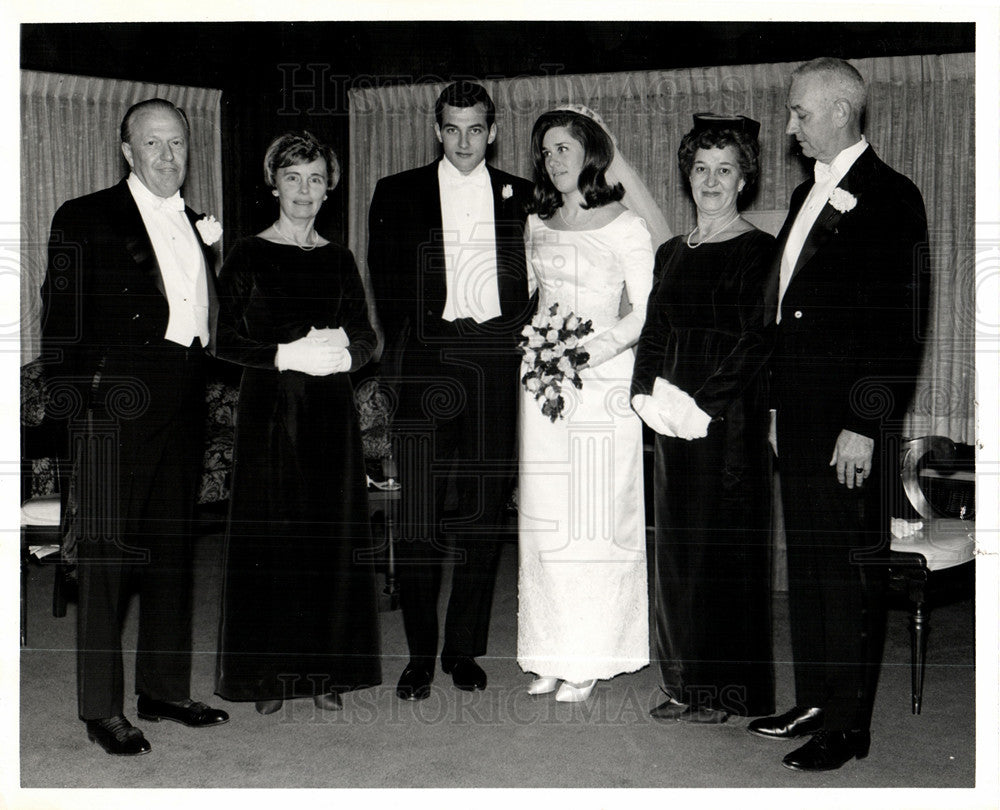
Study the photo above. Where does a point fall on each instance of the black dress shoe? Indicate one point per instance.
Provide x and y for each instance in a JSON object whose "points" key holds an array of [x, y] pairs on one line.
{"points": [[670, 710], [414, 683], [796, 722], [188, 712], [117, 736], [329, 701], [828, 750], [466, 674], [268, 706]]}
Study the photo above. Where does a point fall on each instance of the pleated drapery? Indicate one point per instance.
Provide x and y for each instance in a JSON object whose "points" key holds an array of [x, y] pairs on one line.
{"points": [[921, 121], [70, 146]]}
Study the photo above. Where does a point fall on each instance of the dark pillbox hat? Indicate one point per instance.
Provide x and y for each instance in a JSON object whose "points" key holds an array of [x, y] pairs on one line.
{"points": [[710, 120]]}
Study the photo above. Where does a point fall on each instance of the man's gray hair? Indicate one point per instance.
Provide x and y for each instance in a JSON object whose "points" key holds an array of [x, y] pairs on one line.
{"points": [[841, 77]]}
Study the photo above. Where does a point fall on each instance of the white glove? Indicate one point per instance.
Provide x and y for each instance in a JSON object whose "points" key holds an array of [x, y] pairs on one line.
{"points": [[311, 356], [694, 424], [335, 337], [601, 349], [342, 359], [652, 414], [681, 412]]}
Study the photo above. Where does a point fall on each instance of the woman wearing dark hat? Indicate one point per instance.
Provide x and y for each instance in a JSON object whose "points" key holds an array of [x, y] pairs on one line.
{"points": [[698, 383]]}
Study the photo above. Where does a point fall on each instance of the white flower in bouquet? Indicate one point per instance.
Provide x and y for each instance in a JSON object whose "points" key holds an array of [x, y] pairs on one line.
{"points": [[552, 350]]}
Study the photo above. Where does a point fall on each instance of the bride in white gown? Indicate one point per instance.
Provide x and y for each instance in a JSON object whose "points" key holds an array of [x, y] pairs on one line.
{"points": [[582, 613]]}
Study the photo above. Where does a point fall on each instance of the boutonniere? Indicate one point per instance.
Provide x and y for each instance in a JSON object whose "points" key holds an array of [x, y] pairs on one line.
{"points": [[210, 229], [507, 191], [843, 200]]}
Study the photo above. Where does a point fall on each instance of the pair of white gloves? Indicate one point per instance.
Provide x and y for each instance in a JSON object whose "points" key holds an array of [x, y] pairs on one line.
{"points": [[672, 412], [321, 352]]}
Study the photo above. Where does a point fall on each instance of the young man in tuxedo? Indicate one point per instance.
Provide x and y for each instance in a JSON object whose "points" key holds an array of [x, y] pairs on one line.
{"points": [[130, 307], [447, 264], [850, 313]]}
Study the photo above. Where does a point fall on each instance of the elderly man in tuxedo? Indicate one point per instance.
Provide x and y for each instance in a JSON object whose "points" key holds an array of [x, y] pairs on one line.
{"points": [[447, 264], [850, 311], [130, 307]]}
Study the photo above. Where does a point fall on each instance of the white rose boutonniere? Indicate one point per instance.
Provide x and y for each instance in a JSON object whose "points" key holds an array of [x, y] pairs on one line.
{"points": [[843, 200], [507, 191], [210, 229]]}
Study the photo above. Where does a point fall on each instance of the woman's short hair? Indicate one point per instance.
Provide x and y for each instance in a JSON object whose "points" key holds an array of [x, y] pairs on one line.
{"points": [[296, 148], [747, 150], [598, 152]]}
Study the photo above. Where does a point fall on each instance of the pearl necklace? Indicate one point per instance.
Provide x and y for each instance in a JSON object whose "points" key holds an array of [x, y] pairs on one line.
{"points": [[582, 219], [313, 246], [712, 234]]}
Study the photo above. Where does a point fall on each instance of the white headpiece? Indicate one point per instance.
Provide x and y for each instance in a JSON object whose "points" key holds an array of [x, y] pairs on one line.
{"points": [[637, 196]]}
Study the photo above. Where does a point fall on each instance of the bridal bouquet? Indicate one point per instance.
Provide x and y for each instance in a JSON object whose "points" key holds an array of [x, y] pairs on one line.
{"points": [[553, 353]]}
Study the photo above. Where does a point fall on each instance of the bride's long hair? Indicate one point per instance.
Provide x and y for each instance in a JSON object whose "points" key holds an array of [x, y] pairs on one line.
{"points": [[598, 151]]}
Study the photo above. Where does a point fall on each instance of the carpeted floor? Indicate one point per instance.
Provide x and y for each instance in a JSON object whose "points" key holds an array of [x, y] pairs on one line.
{"points": [[498, 738]]}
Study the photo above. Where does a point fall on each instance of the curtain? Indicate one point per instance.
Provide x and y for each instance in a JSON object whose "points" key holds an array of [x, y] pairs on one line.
{"points": [[70, 146], [920, 121]]}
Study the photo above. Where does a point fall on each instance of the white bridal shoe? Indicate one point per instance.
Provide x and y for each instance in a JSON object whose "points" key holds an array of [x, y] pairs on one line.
{"points": [[573, 693], [542, 686]]}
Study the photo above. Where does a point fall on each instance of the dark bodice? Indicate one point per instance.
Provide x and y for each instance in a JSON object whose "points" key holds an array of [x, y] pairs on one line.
{"points": [[275, 293], [705, 326]]}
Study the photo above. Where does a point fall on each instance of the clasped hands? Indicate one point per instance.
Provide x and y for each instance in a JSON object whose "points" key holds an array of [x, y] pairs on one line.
{"points": [[320, 353], [671, 412]]}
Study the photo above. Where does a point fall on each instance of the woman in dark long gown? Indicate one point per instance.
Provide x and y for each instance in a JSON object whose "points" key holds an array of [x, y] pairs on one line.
{"points": [[299, 608], [698, 383]]}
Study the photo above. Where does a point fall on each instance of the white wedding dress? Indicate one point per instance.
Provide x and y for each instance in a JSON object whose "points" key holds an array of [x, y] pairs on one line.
{"points": [[582, 590]]}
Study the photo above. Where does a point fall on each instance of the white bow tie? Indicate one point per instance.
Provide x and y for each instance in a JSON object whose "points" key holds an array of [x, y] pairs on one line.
{"points": [[172, 203], [822, 172]]}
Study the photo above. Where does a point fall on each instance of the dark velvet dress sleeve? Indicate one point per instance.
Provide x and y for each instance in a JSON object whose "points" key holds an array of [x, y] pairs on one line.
{"points": [[756, 335], [653, 338], [236, 286]]}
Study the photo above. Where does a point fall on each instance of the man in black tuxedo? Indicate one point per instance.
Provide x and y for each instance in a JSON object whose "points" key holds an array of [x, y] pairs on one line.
{"points": [[130, 305], [850, 312], [447, 264]]}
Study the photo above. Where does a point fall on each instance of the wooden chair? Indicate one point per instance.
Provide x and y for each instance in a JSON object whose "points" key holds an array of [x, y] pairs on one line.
{"points": [[41, 529], [946, 542], [384, 498]]}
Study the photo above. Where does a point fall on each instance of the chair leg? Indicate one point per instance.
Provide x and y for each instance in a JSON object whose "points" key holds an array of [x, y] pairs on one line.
{"points": [[391, 584], [919, 628]]}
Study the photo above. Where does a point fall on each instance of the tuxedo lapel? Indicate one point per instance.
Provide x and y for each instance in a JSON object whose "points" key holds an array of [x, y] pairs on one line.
{"points": [[128, 221], [824, 227], [427, 212], [829, 218]]}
